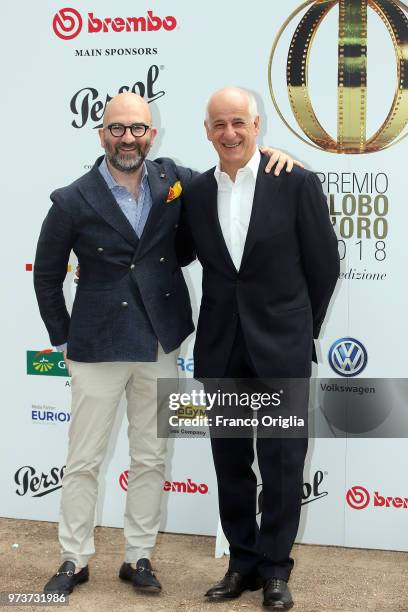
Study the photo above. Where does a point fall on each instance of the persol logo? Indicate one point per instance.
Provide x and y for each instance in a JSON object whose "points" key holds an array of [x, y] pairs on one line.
{"points": [[28, 480], [311, 490], [352, 75]]}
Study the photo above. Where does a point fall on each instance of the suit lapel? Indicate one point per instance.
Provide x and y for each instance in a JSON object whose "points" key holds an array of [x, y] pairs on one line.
{"points": [[159, 184], [210, 199], [266, 191], [99, 196]]}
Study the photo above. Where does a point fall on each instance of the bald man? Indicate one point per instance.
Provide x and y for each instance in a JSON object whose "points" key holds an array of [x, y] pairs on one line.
{"points": [[124, 222], [270, 265]]}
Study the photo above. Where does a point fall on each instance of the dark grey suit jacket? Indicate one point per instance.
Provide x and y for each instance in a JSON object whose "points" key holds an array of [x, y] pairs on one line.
{"points": [[131, 291]]}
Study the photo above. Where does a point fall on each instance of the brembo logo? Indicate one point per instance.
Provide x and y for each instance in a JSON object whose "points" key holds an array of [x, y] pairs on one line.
{"points": [[359, 498], [67, 23], [170, 486], [123, 480], [185, 487]]}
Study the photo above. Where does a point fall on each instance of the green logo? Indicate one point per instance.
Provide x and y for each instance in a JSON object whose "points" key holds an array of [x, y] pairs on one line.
{"points": [[46, 363]]}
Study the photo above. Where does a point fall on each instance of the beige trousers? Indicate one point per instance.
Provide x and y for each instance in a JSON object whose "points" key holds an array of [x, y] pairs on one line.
{"points": [[96, 391]]}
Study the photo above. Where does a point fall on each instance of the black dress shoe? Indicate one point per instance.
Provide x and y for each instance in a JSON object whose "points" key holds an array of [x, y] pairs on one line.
{"points": [[277, 595], [142, 577], [64, 581], [232, 585]]}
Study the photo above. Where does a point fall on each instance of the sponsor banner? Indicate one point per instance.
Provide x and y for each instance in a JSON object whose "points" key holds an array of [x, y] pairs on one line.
{"points": [[171, 486], [68, 23], [185, 365], [359, 498], [46, 363], [34, 483], [312, 491], [375, 495], [42, 414], [348, 357], [332, 90]]}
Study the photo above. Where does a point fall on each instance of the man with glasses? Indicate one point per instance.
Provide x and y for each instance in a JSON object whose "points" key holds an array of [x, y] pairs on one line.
{"points": [[123, 220]]}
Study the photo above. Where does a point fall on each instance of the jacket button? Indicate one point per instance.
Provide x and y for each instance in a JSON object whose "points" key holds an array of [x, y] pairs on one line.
{"points": [[162, 259], [168, 294], [100, 250], [132, 267], [176, 226], [124, 304]]}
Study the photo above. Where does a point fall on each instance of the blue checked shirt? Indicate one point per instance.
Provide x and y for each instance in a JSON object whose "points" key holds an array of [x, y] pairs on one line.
{"points": [[136, 211]]}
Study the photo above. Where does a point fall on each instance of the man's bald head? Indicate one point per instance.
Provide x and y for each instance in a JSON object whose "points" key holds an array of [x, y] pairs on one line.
{"points": [[232, 94], [127, 103]]}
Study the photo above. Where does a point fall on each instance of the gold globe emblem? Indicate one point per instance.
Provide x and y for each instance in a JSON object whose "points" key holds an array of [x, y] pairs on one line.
{"points": [[352, 75]]}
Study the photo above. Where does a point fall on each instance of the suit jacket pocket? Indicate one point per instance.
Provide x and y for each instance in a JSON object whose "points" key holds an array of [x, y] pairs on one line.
{"points": [[91, 321]]}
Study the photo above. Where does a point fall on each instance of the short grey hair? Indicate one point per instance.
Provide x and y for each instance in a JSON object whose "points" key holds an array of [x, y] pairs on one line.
{"points": [[252, 105]]}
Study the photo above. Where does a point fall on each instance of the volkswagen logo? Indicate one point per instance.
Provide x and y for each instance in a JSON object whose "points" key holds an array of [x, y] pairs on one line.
{"points": [[352, 85], [348, 357]]}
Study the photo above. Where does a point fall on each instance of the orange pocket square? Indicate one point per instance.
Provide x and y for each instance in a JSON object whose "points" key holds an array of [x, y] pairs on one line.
{"points": [[174, 192]]}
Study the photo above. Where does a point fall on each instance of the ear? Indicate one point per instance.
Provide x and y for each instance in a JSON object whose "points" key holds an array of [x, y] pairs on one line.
{"points": [[153, 133], [257, 124], [102, 137], [207, 129]]}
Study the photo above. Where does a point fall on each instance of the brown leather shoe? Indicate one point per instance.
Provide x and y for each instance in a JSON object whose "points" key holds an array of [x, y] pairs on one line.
{"points": [[65, 580]]}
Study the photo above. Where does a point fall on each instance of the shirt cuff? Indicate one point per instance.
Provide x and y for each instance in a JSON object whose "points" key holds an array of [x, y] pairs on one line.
{"points": [[61, 348]]}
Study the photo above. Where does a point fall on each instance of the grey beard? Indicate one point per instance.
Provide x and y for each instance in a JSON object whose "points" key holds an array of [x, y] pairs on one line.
{"points": [[126, 164]]}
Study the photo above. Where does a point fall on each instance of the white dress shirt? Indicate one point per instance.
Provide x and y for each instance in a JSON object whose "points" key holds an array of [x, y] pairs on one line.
{"points": [[234, 201]]}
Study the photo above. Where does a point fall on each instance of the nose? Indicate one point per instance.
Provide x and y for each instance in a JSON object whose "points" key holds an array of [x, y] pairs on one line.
{"points": [[229, 131], [128, 137]]}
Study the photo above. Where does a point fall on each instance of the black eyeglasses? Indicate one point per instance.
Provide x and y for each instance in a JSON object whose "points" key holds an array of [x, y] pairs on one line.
{"points": [[137, 129]]}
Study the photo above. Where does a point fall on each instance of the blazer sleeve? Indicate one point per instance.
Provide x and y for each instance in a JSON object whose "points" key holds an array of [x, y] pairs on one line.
{"points": [[50, 269], [319, 248], [185, 247]]}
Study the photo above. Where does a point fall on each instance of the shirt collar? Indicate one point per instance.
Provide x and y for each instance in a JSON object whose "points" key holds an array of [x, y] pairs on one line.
{"points": [[250, 168], [104, 170]]}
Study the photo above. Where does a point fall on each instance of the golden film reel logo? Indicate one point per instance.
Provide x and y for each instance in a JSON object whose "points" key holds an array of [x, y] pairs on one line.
{"points": [[352, 75]]}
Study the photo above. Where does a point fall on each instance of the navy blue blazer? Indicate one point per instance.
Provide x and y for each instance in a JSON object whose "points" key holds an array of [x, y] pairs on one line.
{"points": [[130, 290], [281, 292]]}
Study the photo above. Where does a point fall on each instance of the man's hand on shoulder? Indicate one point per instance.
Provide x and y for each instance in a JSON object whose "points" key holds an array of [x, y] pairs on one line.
{"points": [[280, 159]]}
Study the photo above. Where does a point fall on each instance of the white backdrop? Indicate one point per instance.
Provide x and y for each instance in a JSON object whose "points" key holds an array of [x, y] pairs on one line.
{"points": [[54, 92]]}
